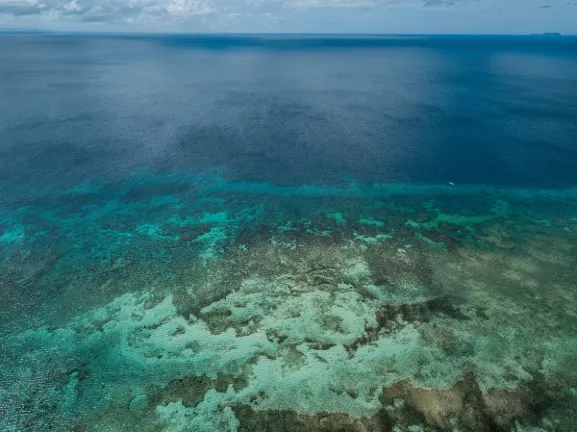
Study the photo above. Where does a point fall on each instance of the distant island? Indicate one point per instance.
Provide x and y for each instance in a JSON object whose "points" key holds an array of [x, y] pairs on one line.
{"points": [[547, 34]]}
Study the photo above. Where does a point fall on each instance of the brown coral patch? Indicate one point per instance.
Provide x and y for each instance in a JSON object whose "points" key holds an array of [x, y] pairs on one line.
{"points": [[288, 421], [461, 405]]}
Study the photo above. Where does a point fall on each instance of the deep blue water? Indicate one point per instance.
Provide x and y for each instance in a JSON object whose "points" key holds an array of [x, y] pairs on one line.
{"points": [[290, 110]]}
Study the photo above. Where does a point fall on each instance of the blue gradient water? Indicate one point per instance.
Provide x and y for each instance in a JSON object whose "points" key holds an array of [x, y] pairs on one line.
{"points": [[254, 233], [498, 111]]}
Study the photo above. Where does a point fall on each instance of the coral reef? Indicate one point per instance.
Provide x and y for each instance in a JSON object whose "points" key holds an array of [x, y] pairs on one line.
{"points": [[208, 306]]}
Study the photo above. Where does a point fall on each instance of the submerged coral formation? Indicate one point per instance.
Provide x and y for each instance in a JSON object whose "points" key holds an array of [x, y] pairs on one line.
{"points": [[203, 305]]}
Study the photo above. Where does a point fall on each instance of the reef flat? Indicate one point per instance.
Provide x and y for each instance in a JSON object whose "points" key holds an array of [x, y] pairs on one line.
{"points": [[171, 303]]}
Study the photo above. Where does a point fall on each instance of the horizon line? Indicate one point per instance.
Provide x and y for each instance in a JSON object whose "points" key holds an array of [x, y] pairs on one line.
{"points": [[224, 33]]}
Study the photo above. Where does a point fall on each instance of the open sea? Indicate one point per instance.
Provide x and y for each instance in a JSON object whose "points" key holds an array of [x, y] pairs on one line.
{"points": [[280, 233]]}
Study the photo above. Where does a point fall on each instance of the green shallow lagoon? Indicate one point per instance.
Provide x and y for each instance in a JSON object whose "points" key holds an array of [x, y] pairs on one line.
{"points": [[168, 303]]}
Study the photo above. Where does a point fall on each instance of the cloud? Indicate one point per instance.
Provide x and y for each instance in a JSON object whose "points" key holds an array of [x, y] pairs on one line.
{"points": [[430, 3], [330, 3], [357, 4], [19, 7], [129, 11], [254, 15], [114, 11]]}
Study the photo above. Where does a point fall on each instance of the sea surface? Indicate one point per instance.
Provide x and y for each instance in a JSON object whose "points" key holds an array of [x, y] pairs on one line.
{"points": [[288, 233]]}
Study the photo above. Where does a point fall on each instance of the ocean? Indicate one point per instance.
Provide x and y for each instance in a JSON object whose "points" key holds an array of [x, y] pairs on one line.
{"points": [[288, 233]]}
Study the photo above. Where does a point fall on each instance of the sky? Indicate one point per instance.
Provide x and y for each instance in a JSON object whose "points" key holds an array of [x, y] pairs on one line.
{"points": [[293, 16]]}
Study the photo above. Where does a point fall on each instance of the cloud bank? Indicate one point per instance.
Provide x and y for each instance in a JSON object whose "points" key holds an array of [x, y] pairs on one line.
{"points": [[114, 11], [303, 15]]}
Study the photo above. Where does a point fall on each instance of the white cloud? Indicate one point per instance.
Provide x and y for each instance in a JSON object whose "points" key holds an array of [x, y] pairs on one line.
{"points": [[115, 11], [299, 15], [119, 11], [361, 4], [331, 3]]}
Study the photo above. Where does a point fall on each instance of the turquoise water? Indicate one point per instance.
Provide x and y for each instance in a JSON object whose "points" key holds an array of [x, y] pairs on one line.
{"points": [[156, 282]]}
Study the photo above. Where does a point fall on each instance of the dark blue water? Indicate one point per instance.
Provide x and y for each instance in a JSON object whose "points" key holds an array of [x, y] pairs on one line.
{"points": [[483, 110]]}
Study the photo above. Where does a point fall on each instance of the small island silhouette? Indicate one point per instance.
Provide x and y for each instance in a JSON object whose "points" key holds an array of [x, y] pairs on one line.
{"points": [[547, 34]]}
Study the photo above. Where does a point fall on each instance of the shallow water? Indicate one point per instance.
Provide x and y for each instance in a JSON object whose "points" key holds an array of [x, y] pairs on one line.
{"points": [[279, 233]]}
